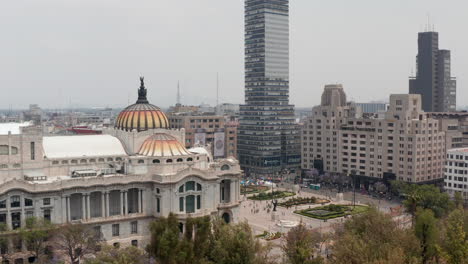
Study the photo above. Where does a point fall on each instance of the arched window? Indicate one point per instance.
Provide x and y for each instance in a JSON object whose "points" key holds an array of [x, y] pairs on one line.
{"points": [[189, 159], [156, 161], [101, 159], [83, 161], [181, 189], [55, 162], [74, 161], [179, 160], [16, 165], [92, 160], [3, 166], [3, 149], [199, 187], [15, 201], [118, 159], [110, 159], [190, 186], [225, 167], [141, 161], [64, 161], [169, 161]]}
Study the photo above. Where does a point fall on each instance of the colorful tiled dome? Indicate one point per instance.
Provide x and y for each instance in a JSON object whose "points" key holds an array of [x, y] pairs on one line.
{"points": [[142, 115], [162, 145]]}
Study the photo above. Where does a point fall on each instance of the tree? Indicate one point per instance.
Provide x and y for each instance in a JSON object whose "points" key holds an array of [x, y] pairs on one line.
{"points": [[165, 244], [458, 199], [114, 255], [299, 245], [234, 244], [373, 237], [426, 231], [427, 197], [76, 241], [35, 236], [456, 240]]}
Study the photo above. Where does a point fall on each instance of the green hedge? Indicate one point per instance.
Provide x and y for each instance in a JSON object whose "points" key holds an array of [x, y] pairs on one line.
{"points": [[335, 211], [271, 195]]}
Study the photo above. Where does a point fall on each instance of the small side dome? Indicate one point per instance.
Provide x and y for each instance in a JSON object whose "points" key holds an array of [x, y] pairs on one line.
{"points": [[162, 145]]}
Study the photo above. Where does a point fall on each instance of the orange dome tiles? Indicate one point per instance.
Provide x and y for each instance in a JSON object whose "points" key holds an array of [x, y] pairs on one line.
{"points": [[162, 145], [141, 117]]}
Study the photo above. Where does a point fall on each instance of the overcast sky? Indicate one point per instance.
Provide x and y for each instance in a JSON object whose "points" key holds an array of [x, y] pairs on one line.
{"points": [[91, 52]]}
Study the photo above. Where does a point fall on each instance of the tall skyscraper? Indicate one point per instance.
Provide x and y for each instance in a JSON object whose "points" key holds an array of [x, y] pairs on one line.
{"points": [[268, 139], [433, 80]]}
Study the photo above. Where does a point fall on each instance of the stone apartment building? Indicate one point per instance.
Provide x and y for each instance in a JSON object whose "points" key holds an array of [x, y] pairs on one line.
{"points": [[403, 143]]}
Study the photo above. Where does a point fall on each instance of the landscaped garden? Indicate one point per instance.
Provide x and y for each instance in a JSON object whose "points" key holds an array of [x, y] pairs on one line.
{"points": [[269, 235], [271, 195], [302, 200], [332, 211], [249, 189]]}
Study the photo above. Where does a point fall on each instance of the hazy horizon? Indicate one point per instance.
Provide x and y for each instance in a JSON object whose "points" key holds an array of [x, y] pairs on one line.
{"points": [[91, 53]]}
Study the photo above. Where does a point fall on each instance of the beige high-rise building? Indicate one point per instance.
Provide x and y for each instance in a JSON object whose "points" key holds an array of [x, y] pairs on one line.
{"points": [[402, 143]]}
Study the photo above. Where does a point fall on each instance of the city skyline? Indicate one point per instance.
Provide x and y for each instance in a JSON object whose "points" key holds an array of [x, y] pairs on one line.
{"points": [[104, 53]]}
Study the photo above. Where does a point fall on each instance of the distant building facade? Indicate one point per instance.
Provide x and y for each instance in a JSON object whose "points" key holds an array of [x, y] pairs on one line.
{"points": [[200, 129], [403, 144], [268, 140], [433, 80], [372, 107], [457, 125], [456, 172]]}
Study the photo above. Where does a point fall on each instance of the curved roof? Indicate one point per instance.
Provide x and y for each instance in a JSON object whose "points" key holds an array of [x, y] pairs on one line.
{"points": [[162, 145], [82, 146], [142, 115]]}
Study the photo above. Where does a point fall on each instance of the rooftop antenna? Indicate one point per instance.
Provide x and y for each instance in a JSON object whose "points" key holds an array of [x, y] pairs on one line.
{"points": [[178, 93], [217, 90]]}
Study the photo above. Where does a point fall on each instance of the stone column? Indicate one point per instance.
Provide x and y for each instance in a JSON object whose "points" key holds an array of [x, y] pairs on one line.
{"points": [[125, 202], [8, 219], [121, 203], [231, 191], [83, 207], [107, 204], [68, 208], [139, 201], [88, 205], [23, 216], [63, 210], [143, 201], [103, 204]]}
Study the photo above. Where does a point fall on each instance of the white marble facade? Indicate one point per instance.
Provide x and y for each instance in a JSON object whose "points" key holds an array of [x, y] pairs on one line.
{"points": [[105, 181]]}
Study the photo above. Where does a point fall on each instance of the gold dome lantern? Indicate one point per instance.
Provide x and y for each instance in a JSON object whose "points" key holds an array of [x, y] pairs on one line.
{"points": [[142, 115], [162, 145]]}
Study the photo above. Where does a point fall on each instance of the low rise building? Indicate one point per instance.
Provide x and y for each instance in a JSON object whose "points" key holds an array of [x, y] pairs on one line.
{"points": [[218, 131], [456, 172]]}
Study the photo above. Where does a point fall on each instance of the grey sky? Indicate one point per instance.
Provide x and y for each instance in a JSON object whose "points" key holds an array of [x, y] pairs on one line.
{"points": [[91, 52]]}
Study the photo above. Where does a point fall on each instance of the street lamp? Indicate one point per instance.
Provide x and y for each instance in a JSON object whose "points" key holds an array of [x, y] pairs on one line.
{"points": [[353, 176]]}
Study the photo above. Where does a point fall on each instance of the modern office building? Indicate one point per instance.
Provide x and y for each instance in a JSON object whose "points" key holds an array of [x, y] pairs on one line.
{"points": [[456, 172], [433, 79], [403, 143], [268, 139]]}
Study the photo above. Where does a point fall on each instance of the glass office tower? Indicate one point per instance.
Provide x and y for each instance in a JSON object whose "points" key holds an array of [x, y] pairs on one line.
{"points": [[268, 138]]}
